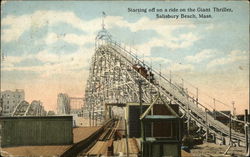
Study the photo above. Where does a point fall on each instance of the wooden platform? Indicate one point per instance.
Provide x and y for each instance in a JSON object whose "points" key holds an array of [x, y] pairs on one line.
{"points": [[79, 134], [99, 148], [134, 148], [121, 148]]}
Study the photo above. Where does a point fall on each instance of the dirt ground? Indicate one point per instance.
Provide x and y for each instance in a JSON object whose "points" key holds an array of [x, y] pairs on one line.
{"points": [[214, 150]]}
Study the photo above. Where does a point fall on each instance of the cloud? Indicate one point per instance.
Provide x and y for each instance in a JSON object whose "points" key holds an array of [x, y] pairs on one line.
{"points": [[17, 25], [210, 27], [204, 54], [179, 42], [58, 62], [161, 26], [54, 63], [70, 38], [181, 67], [235, 55], [164, 28], [161, 60]]}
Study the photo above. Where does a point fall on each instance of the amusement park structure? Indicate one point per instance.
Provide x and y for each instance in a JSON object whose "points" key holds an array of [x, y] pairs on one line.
{"points": [[35, 108], [118, 76]]}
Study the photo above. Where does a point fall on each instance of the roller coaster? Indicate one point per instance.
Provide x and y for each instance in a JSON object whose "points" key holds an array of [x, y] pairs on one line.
{"points": [[115, 73], [35, 108]]}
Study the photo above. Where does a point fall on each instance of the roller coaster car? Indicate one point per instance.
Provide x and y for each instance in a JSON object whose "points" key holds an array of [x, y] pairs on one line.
{"points": [[144, 72]]}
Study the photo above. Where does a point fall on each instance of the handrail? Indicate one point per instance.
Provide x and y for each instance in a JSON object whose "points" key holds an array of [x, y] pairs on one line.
{"points": [[172, 82], [128, 55]]}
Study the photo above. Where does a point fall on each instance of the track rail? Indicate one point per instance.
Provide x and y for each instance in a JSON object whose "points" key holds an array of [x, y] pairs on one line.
{"points": [[105, 140], [83, 146]]}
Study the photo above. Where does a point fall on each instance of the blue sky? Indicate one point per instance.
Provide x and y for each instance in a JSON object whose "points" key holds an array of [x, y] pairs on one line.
{"points": [[48, 45]]}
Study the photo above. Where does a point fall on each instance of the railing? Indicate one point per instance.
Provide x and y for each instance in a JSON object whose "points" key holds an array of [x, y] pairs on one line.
{"points": [[189, 93]]}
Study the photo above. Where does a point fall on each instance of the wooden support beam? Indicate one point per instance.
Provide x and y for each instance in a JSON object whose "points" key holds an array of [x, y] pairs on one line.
{"points": [[230, 130], [246, 131], [207, 130]]}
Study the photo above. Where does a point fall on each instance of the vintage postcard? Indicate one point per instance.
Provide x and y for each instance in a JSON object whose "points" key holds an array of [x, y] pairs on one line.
{"points": [[124, 78]]}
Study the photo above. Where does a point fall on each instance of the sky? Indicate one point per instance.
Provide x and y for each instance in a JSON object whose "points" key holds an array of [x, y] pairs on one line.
{"points": [[47, 46]]}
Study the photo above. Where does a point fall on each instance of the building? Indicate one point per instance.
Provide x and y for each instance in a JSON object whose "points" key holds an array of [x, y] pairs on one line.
{"points": [[36, 130], [10, 99], [63, 104]]}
